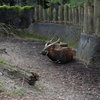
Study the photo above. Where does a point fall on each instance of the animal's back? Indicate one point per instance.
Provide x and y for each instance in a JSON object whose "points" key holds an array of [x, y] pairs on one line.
{"points": [[66, 54]]}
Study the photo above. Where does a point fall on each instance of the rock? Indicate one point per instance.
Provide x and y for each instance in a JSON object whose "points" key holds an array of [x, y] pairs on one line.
{"points": [[1, 74], [89, 49]]}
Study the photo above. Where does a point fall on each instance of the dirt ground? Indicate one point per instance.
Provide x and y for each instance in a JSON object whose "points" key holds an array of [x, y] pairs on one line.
{"points": [[71, 81]]}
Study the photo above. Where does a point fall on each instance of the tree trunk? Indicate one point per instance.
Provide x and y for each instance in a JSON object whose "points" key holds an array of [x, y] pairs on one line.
{"points": [[18, 73]]}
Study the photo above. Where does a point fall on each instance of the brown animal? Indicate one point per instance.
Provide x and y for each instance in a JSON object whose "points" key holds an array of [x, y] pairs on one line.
{"points": [[61, 54]]}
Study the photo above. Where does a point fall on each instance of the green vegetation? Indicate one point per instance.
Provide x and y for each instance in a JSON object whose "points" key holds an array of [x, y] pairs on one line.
{"points": [[18, 91], [75, 3], [2, 88], [71, 3], [17, 9], [74, 26], [36, 37], [2, 63], [55, 1], [15, 90], [30, 36], [73, 45]]}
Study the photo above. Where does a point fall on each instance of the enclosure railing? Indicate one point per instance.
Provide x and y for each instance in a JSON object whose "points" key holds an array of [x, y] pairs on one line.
{"points": [[85, 15], [62, 15]]}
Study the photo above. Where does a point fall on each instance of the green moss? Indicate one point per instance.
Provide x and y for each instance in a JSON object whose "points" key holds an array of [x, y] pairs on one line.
{"points": [[17, 9]]}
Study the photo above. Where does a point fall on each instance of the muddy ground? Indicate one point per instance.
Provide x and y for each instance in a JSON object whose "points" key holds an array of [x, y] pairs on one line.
{"points": [[71, 81]]}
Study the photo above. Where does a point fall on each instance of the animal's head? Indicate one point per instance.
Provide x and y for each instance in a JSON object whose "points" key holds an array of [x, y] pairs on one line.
{"points": [[48, 46]]}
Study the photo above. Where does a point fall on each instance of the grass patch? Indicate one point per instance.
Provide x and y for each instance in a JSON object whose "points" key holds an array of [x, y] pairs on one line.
{"points": [[72, 26], [77, 27], [73, 45], [2, 87], [18, 91], [2, 63], [31, 36], [36, 37], [15, 90]]}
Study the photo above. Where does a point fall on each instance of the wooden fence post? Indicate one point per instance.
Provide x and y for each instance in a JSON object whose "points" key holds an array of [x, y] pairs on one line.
{"points": [[37, 13], [65, 14], [50, 14], [55, 15], [85, 26], [76, 16], [70, 15], [97, 16], [79, 12], [61, 13], [73, 15], [45, 16], [98, 26], [81, 15], [90, 19], [40, 13]]}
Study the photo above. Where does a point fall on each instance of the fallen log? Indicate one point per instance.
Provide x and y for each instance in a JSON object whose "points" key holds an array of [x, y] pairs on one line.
{"points": [[18, 73]]}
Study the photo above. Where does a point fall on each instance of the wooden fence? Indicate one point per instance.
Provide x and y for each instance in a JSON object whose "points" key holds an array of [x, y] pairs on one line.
{"points": [[62, 15], [87, 16]]}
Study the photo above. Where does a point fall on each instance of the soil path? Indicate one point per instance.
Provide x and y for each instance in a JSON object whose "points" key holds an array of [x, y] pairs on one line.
{"points": [[72, 81]]}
